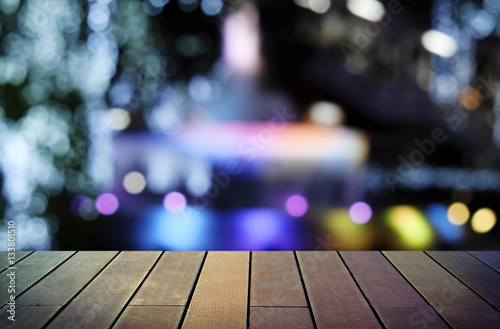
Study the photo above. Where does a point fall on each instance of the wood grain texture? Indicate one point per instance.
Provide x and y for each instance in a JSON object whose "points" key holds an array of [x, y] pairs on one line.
{"points": [[4, 261], [30, 270], [398, 304], [476, 275], [150, 317], [461, 307], [220, 297], [98, 305], [275, 280], [172, 279], [335, 299], [67, 280], [491, 258], [280, 318], [28, 317]]}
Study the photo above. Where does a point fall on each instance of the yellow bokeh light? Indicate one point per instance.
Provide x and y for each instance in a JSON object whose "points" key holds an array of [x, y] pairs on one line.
{"points": [[458, 214], [119, 119], [346, 234], [412, 227], [134, 182], [483, 220]]}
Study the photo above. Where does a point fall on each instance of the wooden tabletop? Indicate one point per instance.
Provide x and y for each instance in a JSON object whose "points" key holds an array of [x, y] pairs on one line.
{"points": [[239, 289]]}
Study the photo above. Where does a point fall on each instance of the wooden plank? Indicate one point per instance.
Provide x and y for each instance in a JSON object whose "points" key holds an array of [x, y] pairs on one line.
{"points": [[275, 280], [491, 258], [30, 270], [220, 297], [398, 304], [98, 305], [151, 317], [335, 299], [4, 258], [67, 280], [172, 279], [28, 317], [458, 305], [280, 317], [476, 275]]}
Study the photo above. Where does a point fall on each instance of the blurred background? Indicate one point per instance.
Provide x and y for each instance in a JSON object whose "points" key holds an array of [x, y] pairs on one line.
{"points": [[250, 125]]}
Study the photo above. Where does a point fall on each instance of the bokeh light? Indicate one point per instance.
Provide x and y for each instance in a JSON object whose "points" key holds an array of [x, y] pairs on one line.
{"points": [[439, 43], [483, 220], [438, 217], [296, 205], [107, 203], [371, 10], [119, 119], [470, 98], [458, 213], [360, 213], [174, 202], [83, 207], [326, 113], [343, 233], [411, 226], [134, 182]]}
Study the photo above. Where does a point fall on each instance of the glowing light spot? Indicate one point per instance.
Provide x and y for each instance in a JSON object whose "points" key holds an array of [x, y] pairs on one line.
{"points": [[458, 213], [174, 202], [344, 233], [211, 7], [134, 182], [119, 119], [470, 98], [242, 41], [198, 183], [319, 6], [370, 10], [439, 43], [437, 214], [360, 213], [409, 223], [296, 205], [84, 207], [326, 113], [107, 204], [483, 220]]}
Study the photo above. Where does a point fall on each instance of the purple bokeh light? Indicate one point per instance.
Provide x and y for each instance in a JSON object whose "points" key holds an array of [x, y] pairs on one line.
{"points": [[360, 212], [107, 204], [296, 205], [174, 202]]}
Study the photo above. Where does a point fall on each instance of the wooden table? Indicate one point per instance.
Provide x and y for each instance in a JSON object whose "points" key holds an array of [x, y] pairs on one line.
{"points": [[239, 289]]}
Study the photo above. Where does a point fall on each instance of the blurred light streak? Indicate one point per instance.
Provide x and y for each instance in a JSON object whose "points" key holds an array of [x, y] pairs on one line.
{"points": [[344, 147]]}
